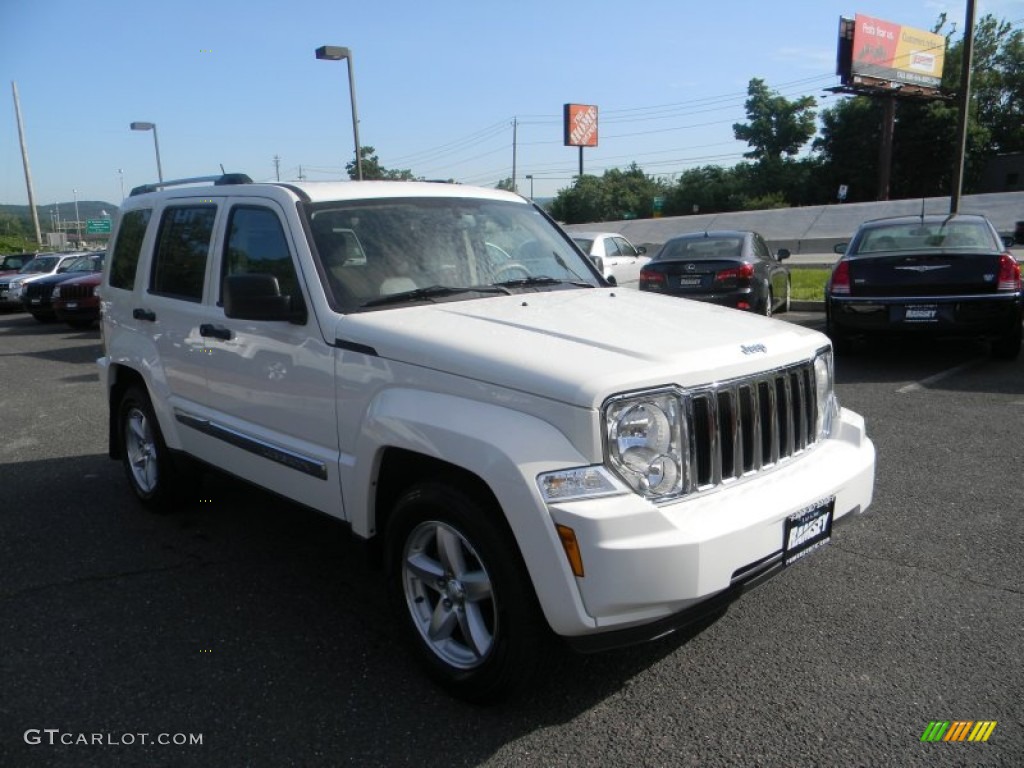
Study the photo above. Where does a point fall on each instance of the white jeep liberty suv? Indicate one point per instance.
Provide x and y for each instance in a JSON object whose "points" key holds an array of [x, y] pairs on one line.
{"points": [[438, 366]]}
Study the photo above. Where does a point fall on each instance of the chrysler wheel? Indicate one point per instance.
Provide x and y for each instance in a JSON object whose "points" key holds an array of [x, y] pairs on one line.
{"points": [[462, 593]]}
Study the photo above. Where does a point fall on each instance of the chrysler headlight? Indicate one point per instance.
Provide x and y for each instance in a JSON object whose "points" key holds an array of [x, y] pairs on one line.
{"points": [[827, 402], [644, 435]]}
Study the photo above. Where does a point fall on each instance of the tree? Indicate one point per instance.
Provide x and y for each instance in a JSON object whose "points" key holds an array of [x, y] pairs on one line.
{"points": [[777, 126], [847, 148], [618, 194], [506, 184], [372, 168]]}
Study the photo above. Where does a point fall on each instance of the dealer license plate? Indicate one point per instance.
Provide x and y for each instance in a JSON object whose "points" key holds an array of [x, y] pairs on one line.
{"points": [[35, 301], [807, 530], [921, 313], [688, 282], [71, 305]]}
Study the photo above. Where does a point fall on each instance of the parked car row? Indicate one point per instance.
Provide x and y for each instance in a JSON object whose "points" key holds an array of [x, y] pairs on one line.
{"points": [[54, 286]]}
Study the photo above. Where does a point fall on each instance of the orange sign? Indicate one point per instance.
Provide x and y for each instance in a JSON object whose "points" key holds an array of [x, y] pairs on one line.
{"points": [[580, 127]]}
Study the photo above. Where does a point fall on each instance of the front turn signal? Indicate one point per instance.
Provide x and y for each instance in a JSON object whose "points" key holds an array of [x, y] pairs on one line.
{"points": [[572, 549]]}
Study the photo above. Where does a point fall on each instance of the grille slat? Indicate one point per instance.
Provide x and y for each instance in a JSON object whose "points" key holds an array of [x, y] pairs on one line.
{"points": [[743, 426]]}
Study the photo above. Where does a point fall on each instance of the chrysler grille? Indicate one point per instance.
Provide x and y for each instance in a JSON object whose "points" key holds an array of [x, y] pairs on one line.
{"points": [[742, 426]]}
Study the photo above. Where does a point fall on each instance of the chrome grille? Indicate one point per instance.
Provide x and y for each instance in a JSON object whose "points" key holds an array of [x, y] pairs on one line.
{"points": [[742, 426]]}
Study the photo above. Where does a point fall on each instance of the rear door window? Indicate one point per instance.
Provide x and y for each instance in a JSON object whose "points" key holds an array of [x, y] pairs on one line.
{"points": [[183, 246]]}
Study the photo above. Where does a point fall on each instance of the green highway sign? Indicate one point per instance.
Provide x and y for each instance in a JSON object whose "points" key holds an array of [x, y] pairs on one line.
{"points": [[97, 226]]}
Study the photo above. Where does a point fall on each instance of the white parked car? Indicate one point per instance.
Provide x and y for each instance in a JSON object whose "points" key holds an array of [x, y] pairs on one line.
{"points": [[617, 259], [531, 454]]}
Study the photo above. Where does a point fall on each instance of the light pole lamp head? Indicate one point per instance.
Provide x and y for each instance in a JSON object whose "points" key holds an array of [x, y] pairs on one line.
{"points": [[140, 126], [333, 52]]}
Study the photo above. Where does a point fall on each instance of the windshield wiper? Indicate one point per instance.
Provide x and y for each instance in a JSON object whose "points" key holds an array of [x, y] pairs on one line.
{"points": [[521, 282], [431, 292]]}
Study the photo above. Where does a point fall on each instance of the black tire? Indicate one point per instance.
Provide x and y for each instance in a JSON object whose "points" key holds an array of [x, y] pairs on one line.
{"points": [[148, 464], [451, 558], [1007, 347]]}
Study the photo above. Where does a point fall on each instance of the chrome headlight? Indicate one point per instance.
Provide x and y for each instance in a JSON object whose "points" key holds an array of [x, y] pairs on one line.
{"points": [[827, 402], [56, 292], [645, 438]]}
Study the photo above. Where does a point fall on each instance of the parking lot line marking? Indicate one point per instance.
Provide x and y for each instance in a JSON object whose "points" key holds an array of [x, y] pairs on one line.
{"points": [[917, 386]]}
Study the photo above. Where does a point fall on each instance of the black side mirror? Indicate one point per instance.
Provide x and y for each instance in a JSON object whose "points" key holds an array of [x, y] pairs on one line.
{"points": [[840, 248], [1009, 240], [783, 253], [641, 249], [258, 297]]}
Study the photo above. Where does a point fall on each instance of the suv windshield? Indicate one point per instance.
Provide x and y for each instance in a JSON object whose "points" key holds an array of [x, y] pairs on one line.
{"points": [[430, 249], [40, 264]]}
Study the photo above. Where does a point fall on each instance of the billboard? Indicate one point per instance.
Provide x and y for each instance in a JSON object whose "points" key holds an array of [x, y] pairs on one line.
{"points": [[580, 125], [871, 47]]}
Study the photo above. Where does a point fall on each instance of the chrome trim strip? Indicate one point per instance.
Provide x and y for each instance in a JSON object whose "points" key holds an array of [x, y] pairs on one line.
{"points": [[291, 459], [924, 299]]}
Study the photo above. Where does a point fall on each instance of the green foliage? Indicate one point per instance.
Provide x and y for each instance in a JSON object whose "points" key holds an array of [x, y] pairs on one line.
{"points": [[618, 194], [372, 169], [764, 202], [17, 244], [777, 126], [808, 283], [506, 184]]}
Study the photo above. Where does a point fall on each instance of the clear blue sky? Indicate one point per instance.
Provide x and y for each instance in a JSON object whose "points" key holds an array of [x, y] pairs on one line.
{"points": [[438, 84]]}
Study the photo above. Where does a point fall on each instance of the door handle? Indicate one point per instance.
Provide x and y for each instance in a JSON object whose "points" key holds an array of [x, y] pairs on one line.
{"points": [[144, 314], [216, 331]]}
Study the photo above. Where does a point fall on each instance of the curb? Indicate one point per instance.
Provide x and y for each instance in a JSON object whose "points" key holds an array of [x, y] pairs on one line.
{"points": [[807, 306]]}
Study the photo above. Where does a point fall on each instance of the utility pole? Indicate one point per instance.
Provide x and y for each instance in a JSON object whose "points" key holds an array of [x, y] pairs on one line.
{"points": [[965, 107], [277, 167], [515, 128], [28, 172]]}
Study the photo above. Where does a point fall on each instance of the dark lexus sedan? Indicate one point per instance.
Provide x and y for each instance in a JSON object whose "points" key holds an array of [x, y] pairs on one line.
{"points": [[734, 268], [940, 275]]}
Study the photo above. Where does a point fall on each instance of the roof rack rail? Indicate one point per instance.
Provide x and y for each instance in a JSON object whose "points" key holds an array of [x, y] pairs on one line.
{"points": [[224, 178]]}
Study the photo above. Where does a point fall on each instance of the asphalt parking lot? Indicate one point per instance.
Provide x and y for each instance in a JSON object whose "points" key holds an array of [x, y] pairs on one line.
{"points": [[250, 623]]}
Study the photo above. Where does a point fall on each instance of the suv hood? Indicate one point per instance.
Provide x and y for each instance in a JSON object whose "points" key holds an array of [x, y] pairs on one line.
{"points": [[580, 346]]}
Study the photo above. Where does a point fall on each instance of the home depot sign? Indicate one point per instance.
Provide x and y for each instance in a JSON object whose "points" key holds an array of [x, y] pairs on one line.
{"points": [[580, 125]]}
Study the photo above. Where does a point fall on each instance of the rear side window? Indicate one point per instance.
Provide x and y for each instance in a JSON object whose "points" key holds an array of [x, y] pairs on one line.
{"points": [[127, 248], [183, 244]]}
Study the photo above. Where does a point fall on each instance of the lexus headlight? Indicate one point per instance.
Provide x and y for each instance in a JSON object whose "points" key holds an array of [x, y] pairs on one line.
{"points": [[645, 442], [827, 402]]}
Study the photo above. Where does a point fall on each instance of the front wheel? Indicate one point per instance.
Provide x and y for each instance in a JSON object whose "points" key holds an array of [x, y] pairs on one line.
{"points": [[462, 593]]}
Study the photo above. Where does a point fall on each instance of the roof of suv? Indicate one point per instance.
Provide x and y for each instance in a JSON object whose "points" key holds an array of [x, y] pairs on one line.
{"points": [[321, 191]]}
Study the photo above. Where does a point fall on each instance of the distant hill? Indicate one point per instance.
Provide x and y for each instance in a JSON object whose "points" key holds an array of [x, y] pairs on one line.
{"points": [[87, 209]]}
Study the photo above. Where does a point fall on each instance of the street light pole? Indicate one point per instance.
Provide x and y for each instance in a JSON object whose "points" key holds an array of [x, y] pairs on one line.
{"points": [[141, 126], [120, 173], [530, 177], [336, 53], [78, 221]]}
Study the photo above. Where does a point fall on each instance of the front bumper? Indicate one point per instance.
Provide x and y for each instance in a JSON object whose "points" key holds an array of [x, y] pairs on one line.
{"points": [[647, 567]]}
